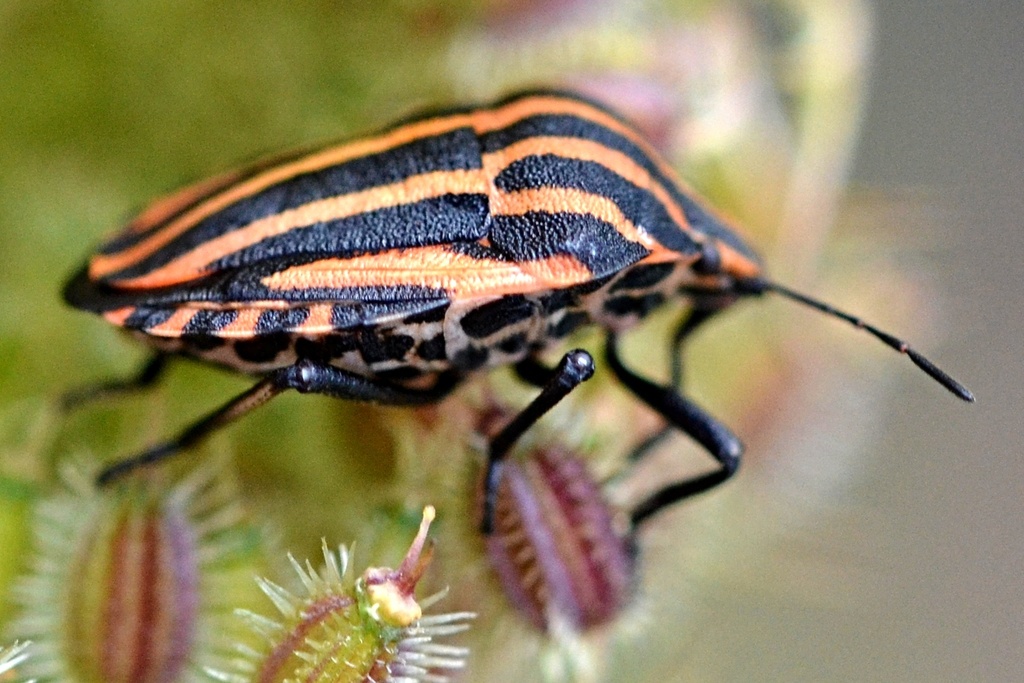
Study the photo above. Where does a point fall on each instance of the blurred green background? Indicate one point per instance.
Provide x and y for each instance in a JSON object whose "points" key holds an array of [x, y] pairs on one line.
{"points": [[106, 104]]}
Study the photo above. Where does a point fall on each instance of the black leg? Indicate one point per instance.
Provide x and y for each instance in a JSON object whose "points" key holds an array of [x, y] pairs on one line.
{"points": [[686, 416], [534, 372], [686, 326], [147, 375], [649, 444], [683, 331], [248, 400], [576, 367], [306, 377]]}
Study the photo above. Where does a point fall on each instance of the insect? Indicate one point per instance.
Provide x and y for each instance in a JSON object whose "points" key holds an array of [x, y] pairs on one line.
{"points": [[391, 268]]}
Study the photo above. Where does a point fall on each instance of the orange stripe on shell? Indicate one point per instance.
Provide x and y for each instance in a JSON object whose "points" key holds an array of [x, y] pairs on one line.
{"points": [[568, 200], [175, 325], [118, 316], [439, 268], [318, 321], [586, 150], [243, 326], [194, 264], [164, 207], [736, 264], [103, 265], [495, 119]]}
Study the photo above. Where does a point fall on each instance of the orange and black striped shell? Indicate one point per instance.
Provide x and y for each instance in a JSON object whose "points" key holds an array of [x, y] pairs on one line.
{"points": [[457, 240]]}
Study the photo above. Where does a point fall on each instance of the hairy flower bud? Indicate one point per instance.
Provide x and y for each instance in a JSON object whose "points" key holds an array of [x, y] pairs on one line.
{"points": [[358, 630], [130, 584]]}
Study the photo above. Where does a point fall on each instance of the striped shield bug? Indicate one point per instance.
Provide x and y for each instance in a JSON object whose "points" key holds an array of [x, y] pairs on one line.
{"points": [[391, 268]]}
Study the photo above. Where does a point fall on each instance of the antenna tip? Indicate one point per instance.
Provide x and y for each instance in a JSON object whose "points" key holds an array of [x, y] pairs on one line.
{"points": [[965, 393], [757, 285], [940, 376]]}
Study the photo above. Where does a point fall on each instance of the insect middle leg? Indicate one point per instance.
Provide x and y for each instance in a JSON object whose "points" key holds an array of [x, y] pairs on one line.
{"points": [[576, 367], [148, 374], [306, 377], [688, 417]]}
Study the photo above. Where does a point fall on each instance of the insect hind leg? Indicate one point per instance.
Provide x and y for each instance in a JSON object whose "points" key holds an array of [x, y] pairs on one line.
{"points": [[147, 375], [306, 377]]}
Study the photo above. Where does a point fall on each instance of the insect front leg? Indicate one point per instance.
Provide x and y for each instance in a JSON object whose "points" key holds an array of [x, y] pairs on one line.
{"points": [[688, 417], [305, 376], [148, 374], [576, 367]]}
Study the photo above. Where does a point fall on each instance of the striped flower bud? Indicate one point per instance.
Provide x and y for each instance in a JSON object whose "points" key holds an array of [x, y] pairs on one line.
{"points": [[131, 584], [561, 554]]}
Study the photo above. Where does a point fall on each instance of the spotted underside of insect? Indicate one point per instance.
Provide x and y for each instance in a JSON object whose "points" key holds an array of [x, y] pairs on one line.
{"points": [[391, 268]]}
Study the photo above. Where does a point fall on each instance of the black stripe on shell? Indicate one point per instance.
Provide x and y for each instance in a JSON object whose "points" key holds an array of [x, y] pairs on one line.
{"points": [[284, 320], [642, 277], [207, 322], [486, 319], [638, 205], [453, 150], [596, 244], [565, 125], [437, 220]]}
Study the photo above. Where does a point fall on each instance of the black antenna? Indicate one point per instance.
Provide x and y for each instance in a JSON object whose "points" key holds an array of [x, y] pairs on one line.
{"points": [[757, 286]]}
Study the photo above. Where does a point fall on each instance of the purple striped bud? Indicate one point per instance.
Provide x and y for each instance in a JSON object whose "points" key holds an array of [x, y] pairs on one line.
{"points": [[558, 549]]}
